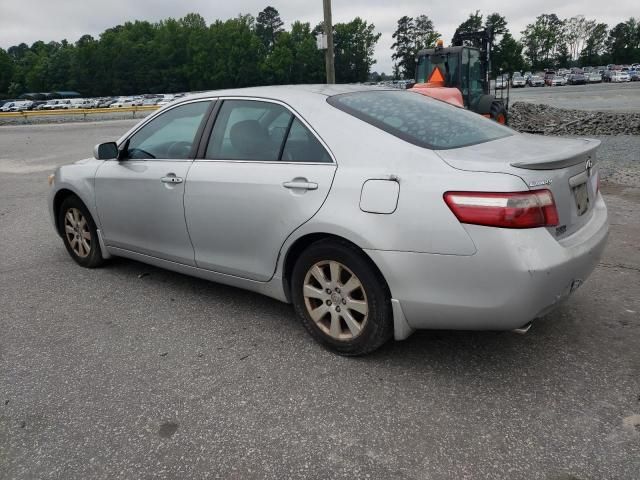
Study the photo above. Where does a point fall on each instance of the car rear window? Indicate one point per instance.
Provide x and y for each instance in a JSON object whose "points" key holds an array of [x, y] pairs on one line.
{"points": [[418, 119]]}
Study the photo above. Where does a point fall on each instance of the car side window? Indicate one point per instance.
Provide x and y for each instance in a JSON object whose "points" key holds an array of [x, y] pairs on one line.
{"points": [[303, 146], [170, 135], [248, 130]]}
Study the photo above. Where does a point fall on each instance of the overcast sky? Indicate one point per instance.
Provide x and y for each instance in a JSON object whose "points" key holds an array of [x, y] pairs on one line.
{"points": [[31, 20]]}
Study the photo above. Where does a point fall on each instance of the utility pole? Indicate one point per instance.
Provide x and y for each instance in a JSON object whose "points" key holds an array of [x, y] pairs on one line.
{"points": [[328, 31]]}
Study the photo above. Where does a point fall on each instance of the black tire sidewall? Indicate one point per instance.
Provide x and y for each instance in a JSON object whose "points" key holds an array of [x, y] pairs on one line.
{"points": [[94, 258], [379, 326], [497, 108]]}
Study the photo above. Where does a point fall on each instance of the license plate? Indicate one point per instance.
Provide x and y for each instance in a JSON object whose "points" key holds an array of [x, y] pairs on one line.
{"points": [[580, 193]]}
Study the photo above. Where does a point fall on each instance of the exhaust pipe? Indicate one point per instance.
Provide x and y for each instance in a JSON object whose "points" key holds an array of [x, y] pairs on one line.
{"points": [[523, 329]]}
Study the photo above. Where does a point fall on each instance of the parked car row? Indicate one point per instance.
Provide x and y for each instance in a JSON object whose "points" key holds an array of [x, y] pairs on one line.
{"points": [[570, 76], [88, 103]]}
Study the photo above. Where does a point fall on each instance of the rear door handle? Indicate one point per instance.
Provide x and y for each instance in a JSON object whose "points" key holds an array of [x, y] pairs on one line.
{"points": [[301, 185], [171, 178]]}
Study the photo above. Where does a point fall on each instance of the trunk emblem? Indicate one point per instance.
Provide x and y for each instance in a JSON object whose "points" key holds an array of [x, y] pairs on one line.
{"points": [[539, 183]]}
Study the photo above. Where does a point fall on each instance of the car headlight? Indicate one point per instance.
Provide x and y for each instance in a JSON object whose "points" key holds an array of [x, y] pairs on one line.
{"points": [[51, 179]]}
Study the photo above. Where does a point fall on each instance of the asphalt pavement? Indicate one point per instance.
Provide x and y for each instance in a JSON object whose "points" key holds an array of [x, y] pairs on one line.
{"points": [[130, 371]]}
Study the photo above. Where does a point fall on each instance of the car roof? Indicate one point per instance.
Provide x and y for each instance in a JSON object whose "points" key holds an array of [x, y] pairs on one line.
{"points": [[287, 92]]}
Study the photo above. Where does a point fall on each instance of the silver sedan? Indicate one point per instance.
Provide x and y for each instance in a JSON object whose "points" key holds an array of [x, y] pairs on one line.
{"points": [[375, 212]]}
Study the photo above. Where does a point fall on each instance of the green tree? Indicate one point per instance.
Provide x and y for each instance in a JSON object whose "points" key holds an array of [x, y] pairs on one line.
{"points": [[234, 51], [411, 36], [86, 74], [6, 71], [404, 46], [268, 26], [563, 56], [594, 45], [60, 68], [574, 35], [278, 65], [623, 42], [542, 39], [186, 54], [424, 35], [354, 46], [187, 70], [496, 23], [507, 55], [470, 25], [308, 62]]}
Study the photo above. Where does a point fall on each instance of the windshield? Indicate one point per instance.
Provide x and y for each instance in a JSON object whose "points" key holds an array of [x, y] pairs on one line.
{"points": [[419, 119], [448, 63]]}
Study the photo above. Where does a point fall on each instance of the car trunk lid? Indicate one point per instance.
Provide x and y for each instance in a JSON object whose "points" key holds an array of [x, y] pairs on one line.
{"points": [[567, 167]]}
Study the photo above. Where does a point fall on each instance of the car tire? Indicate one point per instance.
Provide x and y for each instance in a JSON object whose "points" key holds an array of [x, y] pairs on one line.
{"points": [[498, 112], [341, 298], [79, 233]]}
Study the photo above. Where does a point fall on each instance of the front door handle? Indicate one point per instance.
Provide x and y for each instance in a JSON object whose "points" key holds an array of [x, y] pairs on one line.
{"points": [[301, 185], [171, 178]]}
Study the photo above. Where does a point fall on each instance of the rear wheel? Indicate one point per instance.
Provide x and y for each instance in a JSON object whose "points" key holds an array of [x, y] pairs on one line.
{"points": [[79, 233], [498, 112], [341, 298]]}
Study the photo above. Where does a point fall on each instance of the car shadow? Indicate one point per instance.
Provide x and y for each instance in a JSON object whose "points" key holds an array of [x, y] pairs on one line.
{"points": [[437, 349]]}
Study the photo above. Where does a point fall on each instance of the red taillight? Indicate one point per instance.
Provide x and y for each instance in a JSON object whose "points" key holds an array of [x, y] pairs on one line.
{"points": [[507, 210]]}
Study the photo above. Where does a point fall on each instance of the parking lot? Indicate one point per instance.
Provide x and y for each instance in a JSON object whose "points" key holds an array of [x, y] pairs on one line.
{"points": [[603, 97], [129, 371]]}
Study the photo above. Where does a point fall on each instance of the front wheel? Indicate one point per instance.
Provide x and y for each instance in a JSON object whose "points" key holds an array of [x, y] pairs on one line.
{"points": [[341, 298], [79, 233]]}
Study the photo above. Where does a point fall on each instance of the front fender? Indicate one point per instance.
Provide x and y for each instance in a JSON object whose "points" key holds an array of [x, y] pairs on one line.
{"points": [[77, 179]]}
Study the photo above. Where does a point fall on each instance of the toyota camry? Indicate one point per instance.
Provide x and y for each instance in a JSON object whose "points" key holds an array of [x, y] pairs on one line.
{"points": [[374, 212]]}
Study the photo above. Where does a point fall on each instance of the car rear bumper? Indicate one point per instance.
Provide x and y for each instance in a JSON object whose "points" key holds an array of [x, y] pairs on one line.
{"points": [[516, 276]]}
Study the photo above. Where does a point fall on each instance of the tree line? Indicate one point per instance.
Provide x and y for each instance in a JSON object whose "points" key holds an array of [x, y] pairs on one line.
{"points": [[187, 54], [546, 43]]}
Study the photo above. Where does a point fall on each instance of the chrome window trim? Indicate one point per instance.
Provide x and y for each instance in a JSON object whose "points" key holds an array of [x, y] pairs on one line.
{"points": [[275, 162]]}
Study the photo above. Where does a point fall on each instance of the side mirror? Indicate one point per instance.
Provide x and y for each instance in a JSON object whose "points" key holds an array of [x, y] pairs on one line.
{"points": [[106, 151]]}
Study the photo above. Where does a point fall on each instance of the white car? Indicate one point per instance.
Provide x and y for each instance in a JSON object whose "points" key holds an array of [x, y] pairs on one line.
{"points": [[81, 103], [502, 82], [166, 98], [518, 81], [18, 106], [7, 107], [123, 102], [558, 81], [471, 226], [594, 77], [57, 105], [620, 77]]}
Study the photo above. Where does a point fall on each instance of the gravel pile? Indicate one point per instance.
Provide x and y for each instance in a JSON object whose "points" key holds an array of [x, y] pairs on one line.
{"points": [[543, 119]]}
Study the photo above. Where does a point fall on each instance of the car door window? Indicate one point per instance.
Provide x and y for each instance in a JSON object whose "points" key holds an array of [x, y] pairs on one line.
{"points": [[256, 130], [303, 146], [248, 130], [170, 135]]}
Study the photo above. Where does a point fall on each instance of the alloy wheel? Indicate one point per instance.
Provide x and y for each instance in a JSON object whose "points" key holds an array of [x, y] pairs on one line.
{"points": [[76, 230], [336, 300]]}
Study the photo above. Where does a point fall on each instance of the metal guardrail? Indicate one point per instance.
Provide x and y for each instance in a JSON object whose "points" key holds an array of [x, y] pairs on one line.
{"points": [[26, 114]]}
